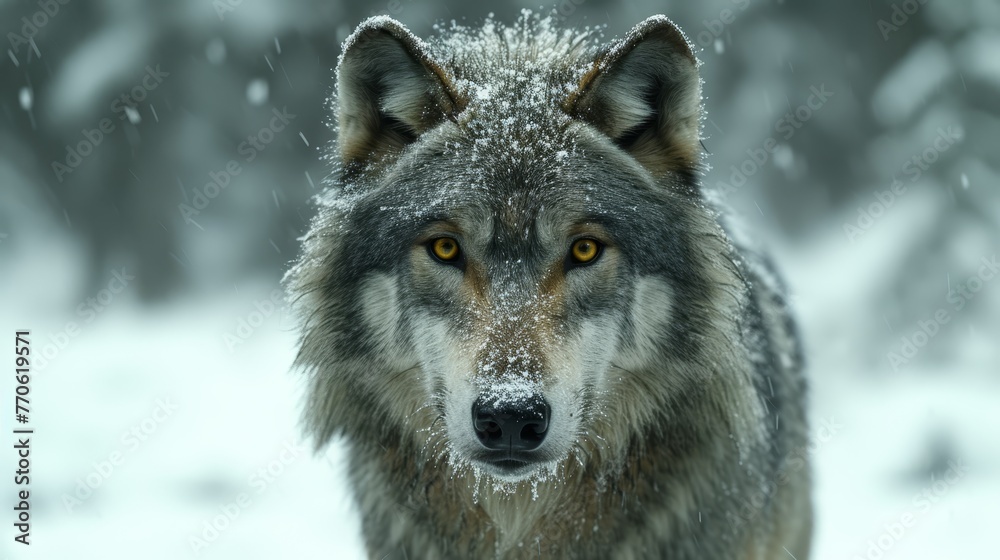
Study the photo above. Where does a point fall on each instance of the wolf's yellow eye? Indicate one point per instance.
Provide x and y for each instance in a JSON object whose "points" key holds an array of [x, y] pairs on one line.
{"points": [[445, 249], [585, 250]]}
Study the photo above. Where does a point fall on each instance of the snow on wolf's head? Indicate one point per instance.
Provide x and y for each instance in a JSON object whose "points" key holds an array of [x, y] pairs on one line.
{"points": [[510, 271]]}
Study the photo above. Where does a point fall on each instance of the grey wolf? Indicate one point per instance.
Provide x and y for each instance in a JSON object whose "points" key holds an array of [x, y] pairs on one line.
{"points": [[524, 317]]}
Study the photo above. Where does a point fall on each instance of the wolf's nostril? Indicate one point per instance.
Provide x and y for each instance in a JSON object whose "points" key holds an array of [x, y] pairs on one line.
{"points": [[516, 427], [533, 432]]}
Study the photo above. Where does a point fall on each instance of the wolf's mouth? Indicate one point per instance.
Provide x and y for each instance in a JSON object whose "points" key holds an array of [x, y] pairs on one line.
{"points": [[508, 465]]}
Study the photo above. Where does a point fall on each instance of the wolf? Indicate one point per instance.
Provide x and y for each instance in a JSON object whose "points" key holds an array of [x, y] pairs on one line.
{"points": [[526, 320]]}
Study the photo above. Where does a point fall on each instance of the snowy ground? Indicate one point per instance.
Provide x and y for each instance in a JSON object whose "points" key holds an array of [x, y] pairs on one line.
{"points": [[211, 419], [211, 426]]}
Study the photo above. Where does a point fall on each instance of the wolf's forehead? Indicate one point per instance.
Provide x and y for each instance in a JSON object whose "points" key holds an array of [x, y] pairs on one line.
{"points": [[516, 140], [519, 113], [527, 215], [537, 183], [496, 53], [514, 80]]}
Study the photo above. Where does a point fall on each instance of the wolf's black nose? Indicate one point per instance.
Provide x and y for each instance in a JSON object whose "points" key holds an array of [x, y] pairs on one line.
{"points": [[515, 427]]}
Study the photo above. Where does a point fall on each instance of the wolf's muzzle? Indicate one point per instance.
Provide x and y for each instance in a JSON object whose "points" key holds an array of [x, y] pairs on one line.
{"points": [[511, 426]]}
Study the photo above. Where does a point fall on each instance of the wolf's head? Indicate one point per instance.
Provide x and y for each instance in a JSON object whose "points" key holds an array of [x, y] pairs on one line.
{"points": [[515, 268]]}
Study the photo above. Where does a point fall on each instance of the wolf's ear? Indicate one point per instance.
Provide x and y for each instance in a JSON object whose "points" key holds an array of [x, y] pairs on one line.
{"points": [[644, 92], [389, 91]]}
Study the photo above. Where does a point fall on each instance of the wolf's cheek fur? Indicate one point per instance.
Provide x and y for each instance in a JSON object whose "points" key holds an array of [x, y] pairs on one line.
{"points": [[650, 319], [381, 313], [383, 316]]}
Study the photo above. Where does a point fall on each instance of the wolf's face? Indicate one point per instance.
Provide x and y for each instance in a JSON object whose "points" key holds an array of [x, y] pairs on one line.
{"points": [[515, 287], [511, 250]]}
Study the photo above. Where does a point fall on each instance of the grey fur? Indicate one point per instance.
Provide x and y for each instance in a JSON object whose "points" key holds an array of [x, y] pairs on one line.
{"points": [[678, 419]]}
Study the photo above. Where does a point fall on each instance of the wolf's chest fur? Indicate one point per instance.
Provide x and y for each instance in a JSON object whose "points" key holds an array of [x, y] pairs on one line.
{"points": [[525, 319]]}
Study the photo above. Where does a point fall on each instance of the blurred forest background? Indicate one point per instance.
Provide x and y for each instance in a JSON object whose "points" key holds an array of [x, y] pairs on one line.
{"points": [[879, 191]]}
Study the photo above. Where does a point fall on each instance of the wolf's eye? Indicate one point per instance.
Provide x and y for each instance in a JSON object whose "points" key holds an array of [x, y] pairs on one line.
{"points": [[445, 249], [585, 251]]}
